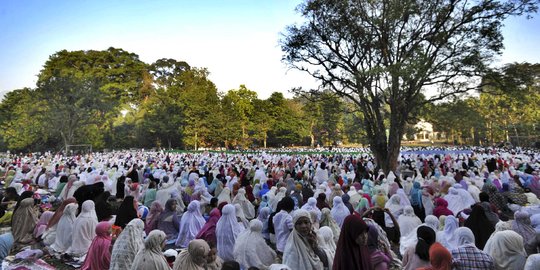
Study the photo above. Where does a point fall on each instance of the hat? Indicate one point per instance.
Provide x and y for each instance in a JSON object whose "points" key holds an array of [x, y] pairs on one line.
{"points": [[170, 253]]}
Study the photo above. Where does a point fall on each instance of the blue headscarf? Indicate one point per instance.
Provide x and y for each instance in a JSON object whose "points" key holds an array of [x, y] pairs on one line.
{"points": [[264, 202], [213, 185], [264, 190], [416, 195]]}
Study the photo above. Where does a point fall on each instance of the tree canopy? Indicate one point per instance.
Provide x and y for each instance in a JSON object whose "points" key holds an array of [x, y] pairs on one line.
{"points": [[183, 109], [384, 55]]}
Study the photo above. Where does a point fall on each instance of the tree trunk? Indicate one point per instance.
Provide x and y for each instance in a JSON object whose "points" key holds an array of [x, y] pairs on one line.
{"points": [[196, 140], [517, 136], [385, 150], [264, 140], [311, 134], [65, 141], [244, 137]]}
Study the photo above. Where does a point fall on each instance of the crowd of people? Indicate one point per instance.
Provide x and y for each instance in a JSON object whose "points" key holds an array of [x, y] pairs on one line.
{"points": [[477, 208]]}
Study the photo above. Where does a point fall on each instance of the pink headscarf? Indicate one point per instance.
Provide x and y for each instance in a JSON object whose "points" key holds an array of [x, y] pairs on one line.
{"points": [[208, 231], [58, 213], [151, 220], [41, 226], [99, 254], [393, 189], [72, 178]]}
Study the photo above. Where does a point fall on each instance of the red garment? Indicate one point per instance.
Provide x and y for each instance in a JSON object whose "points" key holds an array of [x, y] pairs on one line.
{"points": [[350, 255], [441, 208], [249, 193], [99, 254], [321, 201], [221, 205], [208, 231], [58, 213], [439, 257], [368, 199]]}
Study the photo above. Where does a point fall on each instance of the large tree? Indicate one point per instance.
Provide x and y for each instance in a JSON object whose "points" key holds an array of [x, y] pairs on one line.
{"points": [[383, 54], [238, 108], [509, 103], [325, 113], [83, 91], [21, 117], [200, 109]]}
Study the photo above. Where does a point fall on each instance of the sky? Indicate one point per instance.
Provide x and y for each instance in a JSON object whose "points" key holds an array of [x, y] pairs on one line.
{"points": [[237, 40]]}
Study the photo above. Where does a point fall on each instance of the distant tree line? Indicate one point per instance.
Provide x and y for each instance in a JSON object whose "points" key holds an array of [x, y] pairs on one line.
{"points": [[505, 111], [112, 100]]}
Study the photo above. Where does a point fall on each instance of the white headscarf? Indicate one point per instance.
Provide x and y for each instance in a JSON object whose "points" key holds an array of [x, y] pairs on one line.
{"points": [[126, 246], [271, 194], [328, 220], [191, 223], [466, 197], [474, 191], [245, 204], [280, 195], [464, 237], [339, 211], [455, 201], [403, 198], [279, 267], [224, 196], [84, 229], [352, 191], [535, 222], [240, 215], [408, 221], [502, 226], [298, 254], [311, 206], [227, 230], [447, 237], [251, 249], [356, 197], [394, 205], [65, 229], [326, 243], [411, 239], [533, 262], [150, 257], [507, 250], [205, 197]]}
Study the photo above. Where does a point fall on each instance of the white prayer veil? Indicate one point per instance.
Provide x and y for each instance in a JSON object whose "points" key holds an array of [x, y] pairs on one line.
{"points": [[507, 250], [339, 211], [464, 236], [227, 230], [84, 229], [64, 237], [190, 224], [251, 249]]}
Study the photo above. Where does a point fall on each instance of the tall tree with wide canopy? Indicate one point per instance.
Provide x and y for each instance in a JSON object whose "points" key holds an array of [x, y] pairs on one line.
{"points": [[384, 54], [84, 90], [21, 118], [509, 102]]}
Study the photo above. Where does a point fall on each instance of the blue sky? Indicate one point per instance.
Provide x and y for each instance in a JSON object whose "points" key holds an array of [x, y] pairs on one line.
{"points": [[235, 39]]}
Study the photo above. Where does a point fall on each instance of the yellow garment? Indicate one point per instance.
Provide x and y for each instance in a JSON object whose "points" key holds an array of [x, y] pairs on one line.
{"points": [[380, 200], [6, 218]]}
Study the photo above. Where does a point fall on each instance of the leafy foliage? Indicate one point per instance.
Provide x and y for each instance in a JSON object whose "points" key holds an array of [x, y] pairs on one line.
{"points": [[110, 99], [383, 55]]}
